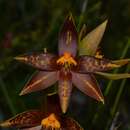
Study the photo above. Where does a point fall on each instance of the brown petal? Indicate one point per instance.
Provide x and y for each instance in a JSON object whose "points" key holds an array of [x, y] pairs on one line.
{"points": [[65, 88], [88, 85], [89, 64], [24, 120], [70, 124], [42, 61], [68, 37], [39, 81]]}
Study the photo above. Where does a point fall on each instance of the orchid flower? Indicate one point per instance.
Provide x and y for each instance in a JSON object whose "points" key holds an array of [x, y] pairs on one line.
{"points": [[49, 119], [71, 66]]}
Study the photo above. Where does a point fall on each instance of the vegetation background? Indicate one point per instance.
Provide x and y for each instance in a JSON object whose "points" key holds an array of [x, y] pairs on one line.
{"points": [[31, 25]]}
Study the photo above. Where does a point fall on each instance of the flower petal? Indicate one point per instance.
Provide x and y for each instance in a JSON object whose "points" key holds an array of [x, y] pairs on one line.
{"points": [[26, 119], [39, 81], [88, 85], [42, 61], [121, 61], [90, 42], [114, 76], [64, 90], [68, 37], [90, 64], [70, 124]]}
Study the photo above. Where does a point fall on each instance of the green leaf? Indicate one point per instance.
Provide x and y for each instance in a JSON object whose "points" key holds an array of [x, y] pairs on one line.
{"points": [[82, 32], [121, 62], [90, 42], [114, 76]]}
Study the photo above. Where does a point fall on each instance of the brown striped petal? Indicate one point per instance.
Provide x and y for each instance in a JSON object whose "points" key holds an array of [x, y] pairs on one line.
{"points": [[68, 37], [89, 64], [42, 61], [70, 124], [26, 119], [65, 88], [88, 85], [67, 123], [39, 81]]}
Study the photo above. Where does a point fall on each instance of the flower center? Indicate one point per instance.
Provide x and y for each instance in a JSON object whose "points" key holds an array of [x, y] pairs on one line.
{"points": [[51, 121], [66, 59]]}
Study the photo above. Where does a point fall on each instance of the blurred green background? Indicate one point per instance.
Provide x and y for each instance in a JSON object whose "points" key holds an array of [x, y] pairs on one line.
{"points": [[31, 25]]}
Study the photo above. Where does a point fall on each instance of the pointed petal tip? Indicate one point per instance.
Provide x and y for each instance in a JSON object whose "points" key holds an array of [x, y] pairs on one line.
{"points": [[114, 65], [64, 107], [105, 22], [20, 58], [102, 100], [5, 124], [64, 110], [20, 94], [70, 17], [102, 26], [121, 62], [23, 92]]}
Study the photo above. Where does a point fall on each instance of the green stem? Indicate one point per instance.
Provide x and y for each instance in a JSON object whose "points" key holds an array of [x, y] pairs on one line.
{"points": [[82, 14], [115, 71], [110, 83], [114, 108], [119, 94], [6, 96]]}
